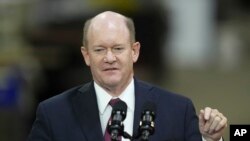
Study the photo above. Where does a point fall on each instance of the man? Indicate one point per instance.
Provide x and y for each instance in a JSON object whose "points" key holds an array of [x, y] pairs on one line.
{"points": [[81, 113]]}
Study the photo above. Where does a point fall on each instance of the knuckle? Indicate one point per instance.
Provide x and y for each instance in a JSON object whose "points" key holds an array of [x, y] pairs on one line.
{"points": [[212, 114], [217, 118], [221, 124]]}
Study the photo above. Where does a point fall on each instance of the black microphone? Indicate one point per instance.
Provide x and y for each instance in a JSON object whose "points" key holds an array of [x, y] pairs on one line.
{"points": [[115, 125], [147, 125]]}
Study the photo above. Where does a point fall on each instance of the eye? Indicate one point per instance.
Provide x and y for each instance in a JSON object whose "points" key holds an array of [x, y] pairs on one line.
{"points": [[118, 49], [99, 50]]}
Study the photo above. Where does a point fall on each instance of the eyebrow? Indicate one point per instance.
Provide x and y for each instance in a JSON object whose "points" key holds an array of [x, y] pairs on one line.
{"points": [[116, 45]]}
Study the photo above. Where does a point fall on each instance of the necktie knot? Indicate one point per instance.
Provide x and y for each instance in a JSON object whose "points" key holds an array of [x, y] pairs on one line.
{"points": [[112, 102]]}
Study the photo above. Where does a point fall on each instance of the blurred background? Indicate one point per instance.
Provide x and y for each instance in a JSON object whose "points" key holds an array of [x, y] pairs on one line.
{"points": [[197, 48]]}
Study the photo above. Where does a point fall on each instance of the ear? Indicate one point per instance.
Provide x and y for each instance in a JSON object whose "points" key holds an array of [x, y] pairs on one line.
{"points": [[85, 55], [136, 51]]}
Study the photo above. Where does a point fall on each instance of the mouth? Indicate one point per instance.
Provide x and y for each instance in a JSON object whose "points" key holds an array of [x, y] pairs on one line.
{"points": [[110, 69]]}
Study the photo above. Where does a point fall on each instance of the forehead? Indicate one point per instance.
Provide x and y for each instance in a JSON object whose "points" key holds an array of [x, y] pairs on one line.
{"points": [[108, 25], [108, 29], [108, 20]]}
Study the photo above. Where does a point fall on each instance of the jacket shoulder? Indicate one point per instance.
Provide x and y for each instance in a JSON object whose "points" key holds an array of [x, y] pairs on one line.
{"points": [[66, 95], [162, 93]]}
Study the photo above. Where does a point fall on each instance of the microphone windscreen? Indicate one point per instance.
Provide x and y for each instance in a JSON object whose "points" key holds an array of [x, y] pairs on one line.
{"points": [[120, 106]]}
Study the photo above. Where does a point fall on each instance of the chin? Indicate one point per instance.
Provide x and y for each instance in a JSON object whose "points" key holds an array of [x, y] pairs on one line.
{"points": [[113, 82]]}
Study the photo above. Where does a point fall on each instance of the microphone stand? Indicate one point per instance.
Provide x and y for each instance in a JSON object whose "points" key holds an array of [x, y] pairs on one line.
{"points": [[127, 136], [132, 138]]}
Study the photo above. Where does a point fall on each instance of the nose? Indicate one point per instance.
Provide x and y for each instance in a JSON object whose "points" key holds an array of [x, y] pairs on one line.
{"points": [[110, 57]]}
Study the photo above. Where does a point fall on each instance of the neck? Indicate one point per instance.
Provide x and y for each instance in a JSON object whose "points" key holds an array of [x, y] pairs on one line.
{"points": [[117, 90]]}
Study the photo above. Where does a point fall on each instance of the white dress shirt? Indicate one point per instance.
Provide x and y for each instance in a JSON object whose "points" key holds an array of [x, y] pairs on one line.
{"points": [[103, 98]]}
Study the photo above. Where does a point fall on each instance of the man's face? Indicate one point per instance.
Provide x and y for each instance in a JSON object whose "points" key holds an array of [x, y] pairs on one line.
{"points": [[110, 54]]}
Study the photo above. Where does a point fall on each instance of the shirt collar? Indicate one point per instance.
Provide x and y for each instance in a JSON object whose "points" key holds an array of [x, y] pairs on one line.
{"points": [[103, 98]]}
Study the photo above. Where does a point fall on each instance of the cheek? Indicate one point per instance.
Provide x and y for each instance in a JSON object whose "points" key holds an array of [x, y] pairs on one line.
{"points": [[95, 62], [95, 69], [128, 63]]}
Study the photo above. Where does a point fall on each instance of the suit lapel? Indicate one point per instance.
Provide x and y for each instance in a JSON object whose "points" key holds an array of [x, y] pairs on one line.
{"points": [[86, 110]]}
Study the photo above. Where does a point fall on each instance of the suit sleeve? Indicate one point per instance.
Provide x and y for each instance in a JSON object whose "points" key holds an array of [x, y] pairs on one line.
{"points": [[192, 132], [41, 129]]}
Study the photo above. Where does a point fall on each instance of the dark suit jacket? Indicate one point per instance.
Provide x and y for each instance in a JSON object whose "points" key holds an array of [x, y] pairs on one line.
{"points": [[73, 116]]}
